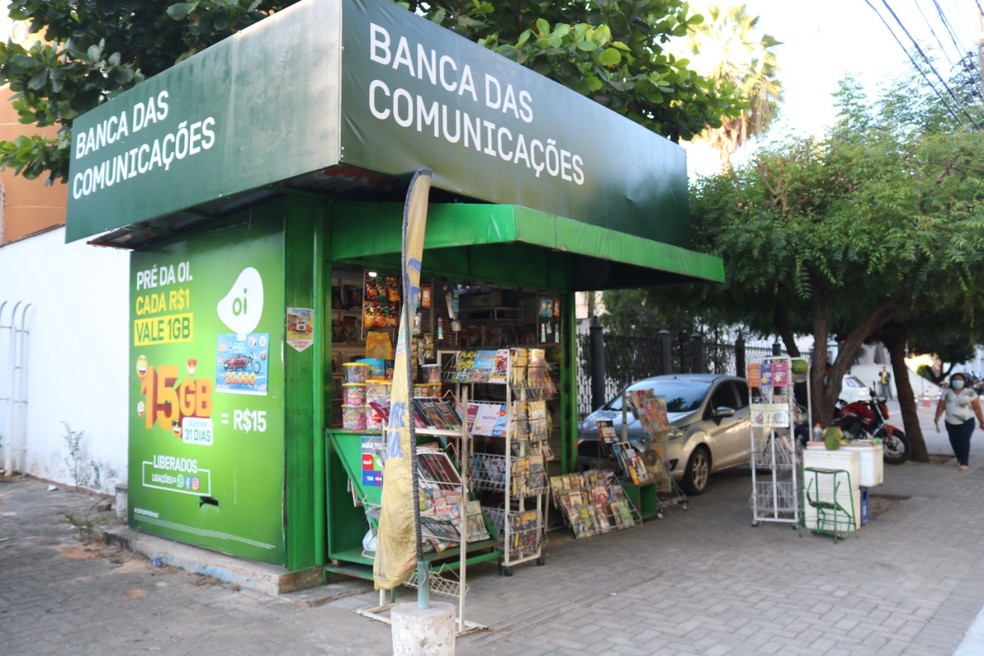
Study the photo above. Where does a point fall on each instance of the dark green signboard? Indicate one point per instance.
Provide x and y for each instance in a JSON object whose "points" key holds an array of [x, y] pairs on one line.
{"points": [[258, 107], [415, 94], [206, 456], [367, 83]]}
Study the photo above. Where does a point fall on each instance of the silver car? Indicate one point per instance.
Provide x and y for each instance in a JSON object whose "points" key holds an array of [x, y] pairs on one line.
{"points": [[709, 426]]}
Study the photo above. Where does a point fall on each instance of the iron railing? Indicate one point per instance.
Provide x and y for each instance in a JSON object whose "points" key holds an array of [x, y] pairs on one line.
{"points": [[627, 359]]}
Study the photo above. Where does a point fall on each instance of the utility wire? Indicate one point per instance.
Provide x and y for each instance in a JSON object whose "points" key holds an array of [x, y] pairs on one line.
{"points": [[932, 31], [929, 62], [914, 63], [946, 24]]}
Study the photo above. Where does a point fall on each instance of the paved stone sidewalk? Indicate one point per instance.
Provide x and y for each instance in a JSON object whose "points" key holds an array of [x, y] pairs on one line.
{"points": [[700, 581]]}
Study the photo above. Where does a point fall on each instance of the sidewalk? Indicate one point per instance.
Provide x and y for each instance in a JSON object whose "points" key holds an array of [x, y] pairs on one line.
{"points": [[700, 581]]}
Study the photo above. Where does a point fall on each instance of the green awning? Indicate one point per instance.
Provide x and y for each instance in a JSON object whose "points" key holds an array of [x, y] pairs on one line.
{"points": [[516, 245]]}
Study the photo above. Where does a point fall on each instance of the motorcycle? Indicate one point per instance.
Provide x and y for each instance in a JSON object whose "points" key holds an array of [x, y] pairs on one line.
{"points": [[863, 420]]}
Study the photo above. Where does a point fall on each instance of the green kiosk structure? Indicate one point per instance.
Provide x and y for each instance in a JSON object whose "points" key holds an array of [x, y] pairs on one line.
{"points": [[258, 182]]}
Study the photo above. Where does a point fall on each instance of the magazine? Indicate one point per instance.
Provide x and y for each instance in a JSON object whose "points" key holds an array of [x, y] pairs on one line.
{"points": [[487, 419], [651, 411], [500, 369]]}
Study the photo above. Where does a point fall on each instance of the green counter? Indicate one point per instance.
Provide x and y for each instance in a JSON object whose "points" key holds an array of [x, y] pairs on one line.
{"points": [[350, 457]]}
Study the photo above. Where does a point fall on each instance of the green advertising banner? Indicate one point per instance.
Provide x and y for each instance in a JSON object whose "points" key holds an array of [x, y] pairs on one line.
{"points": [[258, 107], [367, 83], [206, 454]]}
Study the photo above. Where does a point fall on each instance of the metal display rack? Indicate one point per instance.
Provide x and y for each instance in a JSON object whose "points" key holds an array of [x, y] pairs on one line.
{"points": [[774, 451], [463, 531], [516, 472], [667, 490]]}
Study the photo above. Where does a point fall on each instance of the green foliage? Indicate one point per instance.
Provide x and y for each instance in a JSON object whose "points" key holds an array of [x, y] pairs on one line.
{"points": [[85, 473], [94, 49], [609, 51], [613, 51], [882, 219], [926, 372], [728, 46]]}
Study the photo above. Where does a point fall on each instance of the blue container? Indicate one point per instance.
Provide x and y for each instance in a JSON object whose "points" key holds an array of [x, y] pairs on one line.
{"points": [[865, 506]]}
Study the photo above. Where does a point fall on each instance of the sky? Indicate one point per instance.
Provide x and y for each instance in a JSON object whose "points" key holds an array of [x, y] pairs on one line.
{"points": [[824, 41]]}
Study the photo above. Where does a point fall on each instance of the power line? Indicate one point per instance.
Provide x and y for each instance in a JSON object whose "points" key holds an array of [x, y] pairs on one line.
{"points": [[946, 24], [913, 60], [928, 61], [932, 31]]}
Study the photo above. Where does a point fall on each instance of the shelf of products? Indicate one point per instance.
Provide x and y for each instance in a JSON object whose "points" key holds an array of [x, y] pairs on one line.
{"points": [[774, 452], [510, 430], [488, 332]]}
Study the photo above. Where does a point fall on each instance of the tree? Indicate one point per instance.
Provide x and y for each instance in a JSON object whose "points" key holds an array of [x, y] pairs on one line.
{"points": [[94, 49], [880, 221], [727, 46], [611, 51]]}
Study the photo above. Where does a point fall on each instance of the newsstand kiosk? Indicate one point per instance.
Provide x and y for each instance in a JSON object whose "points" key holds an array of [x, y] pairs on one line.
{"points": [[260, 182]]}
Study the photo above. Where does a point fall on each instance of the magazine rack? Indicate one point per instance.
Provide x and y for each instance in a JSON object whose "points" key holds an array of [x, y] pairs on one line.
{"points": [[774, 452], [594, 502], [354, 487], [651, 412], [512, 470]]}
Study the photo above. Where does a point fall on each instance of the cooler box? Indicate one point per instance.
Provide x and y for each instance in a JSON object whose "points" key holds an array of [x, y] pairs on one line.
{"points": [[848, 497], [872, 471]]}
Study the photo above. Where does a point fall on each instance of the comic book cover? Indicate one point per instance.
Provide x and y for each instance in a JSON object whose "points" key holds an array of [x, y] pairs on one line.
{"points": [[500, 369], [780, 373], [754, 374]]}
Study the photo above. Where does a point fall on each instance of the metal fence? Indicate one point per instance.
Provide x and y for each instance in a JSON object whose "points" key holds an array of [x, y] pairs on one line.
{"points": [[628, 359]]}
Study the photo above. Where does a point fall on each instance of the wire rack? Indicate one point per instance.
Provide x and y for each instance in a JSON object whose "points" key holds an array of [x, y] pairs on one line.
{"points": [[778, 497], [497, 517], [488, 471], [438, 584], [525, 534]]}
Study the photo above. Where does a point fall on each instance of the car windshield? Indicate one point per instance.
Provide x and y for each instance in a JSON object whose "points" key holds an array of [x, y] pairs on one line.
{"points": [[851, 381], [680, 395]]}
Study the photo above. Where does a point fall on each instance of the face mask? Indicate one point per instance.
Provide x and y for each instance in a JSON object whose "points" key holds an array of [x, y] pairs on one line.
{"points": [[956, 384]]}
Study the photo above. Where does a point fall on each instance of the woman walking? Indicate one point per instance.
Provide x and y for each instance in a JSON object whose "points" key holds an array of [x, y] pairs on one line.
{"points": [[961, 405]]}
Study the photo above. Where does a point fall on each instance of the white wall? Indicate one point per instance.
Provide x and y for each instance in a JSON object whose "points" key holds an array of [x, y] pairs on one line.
{"points": [[78, 352]]}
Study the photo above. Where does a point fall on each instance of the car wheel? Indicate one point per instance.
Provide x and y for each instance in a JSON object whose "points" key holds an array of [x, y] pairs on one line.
{"points": [[698, 472]]}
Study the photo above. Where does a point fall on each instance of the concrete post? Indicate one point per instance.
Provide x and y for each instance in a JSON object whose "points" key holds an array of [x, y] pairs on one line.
{"points": [[423, 631]]}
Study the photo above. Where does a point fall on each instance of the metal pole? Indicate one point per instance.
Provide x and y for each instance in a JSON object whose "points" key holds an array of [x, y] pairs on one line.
{"points": [[463, 516], [423, 578], [7, 445], [697, 356], [21, 367], [740, 366], [597, 350], [666, 349]]}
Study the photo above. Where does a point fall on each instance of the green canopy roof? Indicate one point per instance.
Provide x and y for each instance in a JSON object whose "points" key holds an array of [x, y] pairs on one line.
{"points": [[518, 245]]}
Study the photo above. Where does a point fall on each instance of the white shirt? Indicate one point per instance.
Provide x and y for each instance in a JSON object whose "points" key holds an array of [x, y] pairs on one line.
{"points": [[958, 408]]}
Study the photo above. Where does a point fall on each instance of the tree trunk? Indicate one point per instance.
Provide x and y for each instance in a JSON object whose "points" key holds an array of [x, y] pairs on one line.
{"points": [[780, 319], [895, 341], [820, 380], [826, 395]]}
